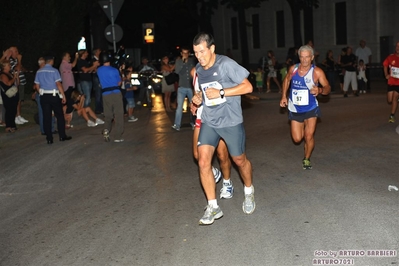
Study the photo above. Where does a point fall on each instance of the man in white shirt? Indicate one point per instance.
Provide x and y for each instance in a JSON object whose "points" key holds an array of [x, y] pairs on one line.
{"points": [[364, 53]]}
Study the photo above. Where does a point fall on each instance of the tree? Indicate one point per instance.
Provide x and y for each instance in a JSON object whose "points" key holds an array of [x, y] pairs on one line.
{"points": [[296, 7], [240, 6], [42, 26], [202, 12]]}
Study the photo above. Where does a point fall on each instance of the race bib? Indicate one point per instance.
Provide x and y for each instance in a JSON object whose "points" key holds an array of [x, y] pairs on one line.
{"points": [[300, 97], [212, 102], [395, 72]]}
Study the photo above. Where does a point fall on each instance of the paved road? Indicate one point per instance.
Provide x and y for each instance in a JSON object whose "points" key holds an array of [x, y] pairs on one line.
{"points": [[87, 202]]}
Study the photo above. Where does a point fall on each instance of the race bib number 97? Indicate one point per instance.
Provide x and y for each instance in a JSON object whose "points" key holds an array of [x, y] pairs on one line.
{"points": [[300, 97]]}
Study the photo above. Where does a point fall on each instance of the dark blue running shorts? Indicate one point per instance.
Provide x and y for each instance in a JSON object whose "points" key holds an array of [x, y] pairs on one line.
{"points": [[300, 117]]}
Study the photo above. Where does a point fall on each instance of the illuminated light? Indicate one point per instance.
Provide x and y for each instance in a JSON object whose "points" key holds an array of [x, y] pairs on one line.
{"points": [[156, 80], [152, 95], [144, 104], [185, 105], [135, 82]]}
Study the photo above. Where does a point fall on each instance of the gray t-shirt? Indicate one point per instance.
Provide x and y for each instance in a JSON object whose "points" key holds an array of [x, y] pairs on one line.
{"points": [[225, 73]]}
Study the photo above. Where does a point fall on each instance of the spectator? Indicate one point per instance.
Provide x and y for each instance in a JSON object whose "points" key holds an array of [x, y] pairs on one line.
{"points": [[16, 65], [85, 68], [68, 84], [272, 74], [183, 66], [361, 77], [129, 95], [340, 69], [143, 69], [96, 85], [78, 104], [364, 53], [122, 72], [10, 102], [110, 80], [167, 90], [292, 57], [316, 53], [259, 79], [2, 117], [330, 68], [348, 62]]}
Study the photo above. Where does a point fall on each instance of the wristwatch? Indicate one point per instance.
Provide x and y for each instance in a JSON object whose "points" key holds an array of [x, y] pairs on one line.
{"points": [[221, 92]]}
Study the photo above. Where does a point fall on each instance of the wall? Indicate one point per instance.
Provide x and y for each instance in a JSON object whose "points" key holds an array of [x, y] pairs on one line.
{"points": [[366, 19]]}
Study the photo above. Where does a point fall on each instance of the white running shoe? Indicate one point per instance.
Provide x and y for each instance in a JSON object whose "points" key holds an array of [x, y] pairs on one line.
{"points": [[226, 192], [248, 206], [91, 123], [132, 119], [217, 174], [211, 214], [18, 122], [99, 121], [23, 120], [119, 140], [175, 127]]}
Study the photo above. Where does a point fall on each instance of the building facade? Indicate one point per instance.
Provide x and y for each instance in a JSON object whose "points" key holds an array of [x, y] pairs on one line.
{"points": [[333, 25]]}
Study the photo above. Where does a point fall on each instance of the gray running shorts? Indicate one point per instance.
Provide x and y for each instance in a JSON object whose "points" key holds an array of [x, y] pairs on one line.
{"points": [[233, 136]]}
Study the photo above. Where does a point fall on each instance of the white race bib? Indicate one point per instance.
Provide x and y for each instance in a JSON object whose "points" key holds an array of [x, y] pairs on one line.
{"points": [[215, 85], [300, 97], [395, 72]]}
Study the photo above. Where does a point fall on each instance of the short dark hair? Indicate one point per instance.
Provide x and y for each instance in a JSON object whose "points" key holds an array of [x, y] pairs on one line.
{"points": [[184, 48], [48, 58], [204, 37]]}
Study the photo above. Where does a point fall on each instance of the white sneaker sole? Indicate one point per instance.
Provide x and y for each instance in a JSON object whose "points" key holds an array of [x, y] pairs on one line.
{"points": [[217, 216]]}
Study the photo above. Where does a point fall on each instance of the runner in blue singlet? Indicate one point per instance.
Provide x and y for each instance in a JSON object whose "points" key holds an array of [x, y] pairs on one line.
{"points": [[301, 83]]}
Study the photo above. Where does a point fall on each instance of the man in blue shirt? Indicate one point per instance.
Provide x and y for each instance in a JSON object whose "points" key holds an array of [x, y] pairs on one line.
{"points": [[110, 81], [48, 83]]}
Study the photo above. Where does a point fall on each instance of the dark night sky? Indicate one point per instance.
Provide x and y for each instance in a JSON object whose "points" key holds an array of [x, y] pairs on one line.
{"points": [[173, 25]]}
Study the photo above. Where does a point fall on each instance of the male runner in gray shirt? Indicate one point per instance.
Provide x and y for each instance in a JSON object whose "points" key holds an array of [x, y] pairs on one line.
{"points": [[222, 82]]}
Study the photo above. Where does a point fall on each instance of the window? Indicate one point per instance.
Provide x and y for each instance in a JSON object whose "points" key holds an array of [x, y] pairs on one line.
{"points": [[280, 29], [234, 33], [255, 32], [308, 23], [340, 23]]}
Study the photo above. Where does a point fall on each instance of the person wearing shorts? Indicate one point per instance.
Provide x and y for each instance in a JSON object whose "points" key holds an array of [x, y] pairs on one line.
{"points": [[301, 83], [222, 153], [129, 95], [391, 72], [222, 81]]}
